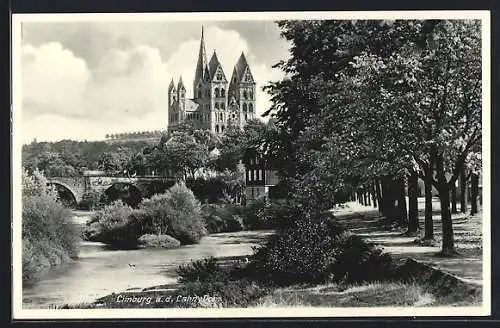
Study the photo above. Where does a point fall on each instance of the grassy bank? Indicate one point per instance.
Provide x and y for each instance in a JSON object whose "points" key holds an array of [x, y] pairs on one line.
{"points": [[224, 284], [313, 261]]}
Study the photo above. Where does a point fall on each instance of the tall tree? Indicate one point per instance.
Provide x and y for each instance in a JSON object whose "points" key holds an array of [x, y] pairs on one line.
{"points": [[376, 95]]}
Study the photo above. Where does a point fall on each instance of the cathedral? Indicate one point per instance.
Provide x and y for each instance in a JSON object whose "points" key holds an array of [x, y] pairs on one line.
{"points": [[215, 106]]}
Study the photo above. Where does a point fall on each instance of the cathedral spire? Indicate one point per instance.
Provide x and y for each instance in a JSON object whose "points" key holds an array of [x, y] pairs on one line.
{"points": [[201, 65], [171, 86], [180, 85]]}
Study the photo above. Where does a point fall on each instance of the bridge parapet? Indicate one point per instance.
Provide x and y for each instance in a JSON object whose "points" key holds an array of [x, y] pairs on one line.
{"points": [[100, 183]]}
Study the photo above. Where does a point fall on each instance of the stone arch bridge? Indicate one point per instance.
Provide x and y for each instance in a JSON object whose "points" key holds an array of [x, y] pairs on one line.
{"points": [[77, 187]]}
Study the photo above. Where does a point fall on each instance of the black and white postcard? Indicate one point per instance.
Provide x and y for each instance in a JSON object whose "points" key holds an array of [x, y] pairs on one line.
{"points": [[279, 164]]}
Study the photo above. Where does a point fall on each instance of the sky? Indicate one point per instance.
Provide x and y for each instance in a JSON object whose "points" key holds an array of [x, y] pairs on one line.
{"points": [[82, 80]]}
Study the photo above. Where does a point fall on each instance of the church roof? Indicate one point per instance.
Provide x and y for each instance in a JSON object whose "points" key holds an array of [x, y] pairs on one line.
{"points": [[241, 67], [213, 65]]}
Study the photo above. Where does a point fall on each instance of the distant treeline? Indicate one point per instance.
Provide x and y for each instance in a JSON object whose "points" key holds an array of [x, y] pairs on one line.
{"points": [[135, 135], [68, 157]]}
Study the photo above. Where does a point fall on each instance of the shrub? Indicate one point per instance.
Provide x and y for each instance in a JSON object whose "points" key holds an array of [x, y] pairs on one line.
{"points": [[318, 249], [361, 261], [207, 277], [176, 212], [35, 184], [204, 270], [164, 241], [228, 184], [114, 224], [233, 293], [49, 236], [223, 217], [256, 215], [208, 190], [305, 252]]}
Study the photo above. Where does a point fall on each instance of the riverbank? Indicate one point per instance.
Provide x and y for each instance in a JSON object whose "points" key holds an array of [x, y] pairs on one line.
{"points": [[416, 282], [101, 270], [445, 290]]}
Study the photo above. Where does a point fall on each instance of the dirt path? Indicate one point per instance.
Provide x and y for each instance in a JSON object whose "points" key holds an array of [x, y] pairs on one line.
{"points": [[367, 222]]}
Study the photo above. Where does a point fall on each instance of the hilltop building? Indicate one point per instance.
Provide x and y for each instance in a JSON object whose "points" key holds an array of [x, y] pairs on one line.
{"points": [[217, 103]]}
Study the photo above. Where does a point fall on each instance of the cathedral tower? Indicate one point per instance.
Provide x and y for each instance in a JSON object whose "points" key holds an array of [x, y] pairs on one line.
{"points": [[214, 105], [242, 90], [172, 102], [218, 89]]}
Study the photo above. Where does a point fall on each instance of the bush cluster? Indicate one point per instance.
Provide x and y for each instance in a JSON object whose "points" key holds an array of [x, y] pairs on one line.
{"points": [[204, 270], [207, 276], [49, 237], [317, 249], [176, 213], [115, 224], [223, 217], [227, 217]]}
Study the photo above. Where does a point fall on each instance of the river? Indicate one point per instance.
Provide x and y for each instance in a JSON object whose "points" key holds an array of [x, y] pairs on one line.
{"points": [[100, 270]]}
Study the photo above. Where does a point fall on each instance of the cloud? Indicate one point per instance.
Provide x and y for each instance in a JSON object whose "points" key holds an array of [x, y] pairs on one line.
{"points": [[128, 82], [81, 129], [53, 80], [123, 85]]}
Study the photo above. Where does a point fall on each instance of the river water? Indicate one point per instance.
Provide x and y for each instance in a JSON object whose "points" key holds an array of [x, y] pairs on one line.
{"points": [[101, 270]]}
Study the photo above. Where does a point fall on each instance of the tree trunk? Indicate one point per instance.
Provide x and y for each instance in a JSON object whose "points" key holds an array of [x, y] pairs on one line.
{"points": [[374, 196], [402, 210], [368, 198], [454, 198], [448, 245], [463, 191], [474, 192], [387, 202], [429, 224], [391, 192], [378, 193], [413, 224]]}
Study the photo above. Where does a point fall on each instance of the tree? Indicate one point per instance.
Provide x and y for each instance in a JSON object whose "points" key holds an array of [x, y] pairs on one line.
{"points": [[111, 163], [36, 184], [182, 154], [374, 97], [438, 107]]}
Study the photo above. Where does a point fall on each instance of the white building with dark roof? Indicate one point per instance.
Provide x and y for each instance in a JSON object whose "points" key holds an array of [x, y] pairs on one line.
{"points": [[214, 105]]}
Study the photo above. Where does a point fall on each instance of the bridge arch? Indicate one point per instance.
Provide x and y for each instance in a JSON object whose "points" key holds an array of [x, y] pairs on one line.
{"points": [[66, 195], [128, 192]]}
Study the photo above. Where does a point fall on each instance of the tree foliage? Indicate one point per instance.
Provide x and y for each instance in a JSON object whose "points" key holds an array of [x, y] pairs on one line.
{"points": [[369, 98]]}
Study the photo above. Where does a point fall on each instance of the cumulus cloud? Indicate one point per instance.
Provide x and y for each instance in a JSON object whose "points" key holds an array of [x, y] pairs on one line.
{"points": [[126, 83], [53, 80], [125, 87], [129, 83]]}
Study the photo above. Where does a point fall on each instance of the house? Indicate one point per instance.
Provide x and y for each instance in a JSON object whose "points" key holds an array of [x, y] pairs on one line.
{"points": [[260, 177]]}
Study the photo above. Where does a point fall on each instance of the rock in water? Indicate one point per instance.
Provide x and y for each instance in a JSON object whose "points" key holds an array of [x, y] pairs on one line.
{"points": [[163, 241]]}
